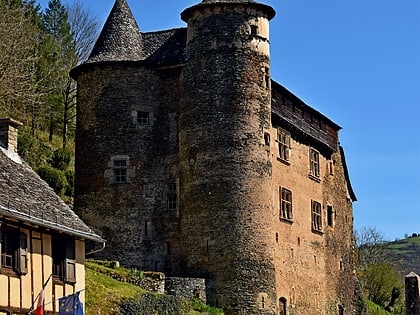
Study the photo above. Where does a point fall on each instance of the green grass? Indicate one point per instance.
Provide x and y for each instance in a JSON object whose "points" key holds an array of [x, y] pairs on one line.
{"points": [[374, 309], [104, 294]]}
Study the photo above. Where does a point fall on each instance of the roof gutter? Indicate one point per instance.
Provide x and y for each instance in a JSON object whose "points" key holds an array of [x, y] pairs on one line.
{"points": [[48, 224]]}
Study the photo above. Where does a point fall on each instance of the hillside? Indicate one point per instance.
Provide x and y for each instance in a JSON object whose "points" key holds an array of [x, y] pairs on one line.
{"points": [[405, 254], [110, 291]]}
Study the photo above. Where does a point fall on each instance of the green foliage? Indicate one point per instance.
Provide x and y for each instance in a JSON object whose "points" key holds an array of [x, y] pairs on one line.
{"points": [[198, 305], [61, 159], [54, 177], [375, 309], [151, 303], [381, 282], [70, 183], [104, 294]]}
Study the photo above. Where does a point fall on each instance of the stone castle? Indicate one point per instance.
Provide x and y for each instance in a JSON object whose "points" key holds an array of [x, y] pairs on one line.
{"points": [[192, 161]]}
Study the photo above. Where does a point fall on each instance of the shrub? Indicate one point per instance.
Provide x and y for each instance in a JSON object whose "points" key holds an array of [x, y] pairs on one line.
{"points": [[61, 159], [55, 178]]}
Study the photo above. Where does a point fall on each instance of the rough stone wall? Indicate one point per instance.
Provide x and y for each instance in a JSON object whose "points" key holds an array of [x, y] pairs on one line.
{"points": [[412, 294], [225, 172], [304, 258], [132, 216], [186, 287]]}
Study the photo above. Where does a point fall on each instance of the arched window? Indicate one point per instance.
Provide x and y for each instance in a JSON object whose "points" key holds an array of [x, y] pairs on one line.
{"points": [[283, 306]]}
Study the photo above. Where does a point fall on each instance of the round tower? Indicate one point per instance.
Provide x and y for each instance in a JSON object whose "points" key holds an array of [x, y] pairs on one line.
{"points": [[226, 213]]}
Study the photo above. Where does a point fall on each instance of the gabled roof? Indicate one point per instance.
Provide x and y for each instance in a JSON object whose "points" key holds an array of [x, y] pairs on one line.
{"points": [[120, 38], [25, 197]]}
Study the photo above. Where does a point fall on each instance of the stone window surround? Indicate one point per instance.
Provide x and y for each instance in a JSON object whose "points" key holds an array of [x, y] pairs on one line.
{"points": [[286, 205]]}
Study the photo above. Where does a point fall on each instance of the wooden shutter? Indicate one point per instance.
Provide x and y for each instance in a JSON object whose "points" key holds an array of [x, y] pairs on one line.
{"points": [[70, 262], [21, 263]]}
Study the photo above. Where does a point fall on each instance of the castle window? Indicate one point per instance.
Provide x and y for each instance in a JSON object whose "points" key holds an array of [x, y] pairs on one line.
{"points": [[340, 309], [254, 30], [330, 216], [314, 163], [171, 196], [316, 216], [286, 204], [63, 258], [283, 306], [283, 139], [143, 118], [120, 171], [14, 251]]}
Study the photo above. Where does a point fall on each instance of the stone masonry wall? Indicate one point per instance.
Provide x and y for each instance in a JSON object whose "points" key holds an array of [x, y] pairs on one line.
{"points": [[132, 216], [412, 294], [226, 216]]}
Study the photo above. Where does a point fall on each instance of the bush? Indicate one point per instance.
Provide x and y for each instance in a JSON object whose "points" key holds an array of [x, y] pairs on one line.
{"points": [[158, 304], [70, 183], [61, 159], [382, 284], [55, 178]]}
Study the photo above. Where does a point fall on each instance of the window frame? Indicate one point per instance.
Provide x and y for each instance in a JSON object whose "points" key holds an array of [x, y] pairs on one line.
{"points": [[283, 140], [171, 196], [13, 250], [314, 165], [63, 254], [316, 216], [143, 118], [119, 171], [286, 204]]}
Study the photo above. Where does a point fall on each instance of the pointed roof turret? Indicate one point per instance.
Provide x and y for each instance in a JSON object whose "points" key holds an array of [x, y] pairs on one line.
{"points": [[120, 38]]}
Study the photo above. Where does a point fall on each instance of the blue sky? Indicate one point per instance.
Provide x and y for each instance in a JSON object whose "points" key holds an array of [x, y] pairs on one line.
{"points": [[358, 62]]}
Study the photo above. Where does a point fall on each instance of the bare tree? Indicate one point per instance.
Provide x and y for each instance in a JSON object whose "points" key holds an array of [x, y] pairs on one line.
{"points": [[371, 246], [18, 59], [84, 29]]}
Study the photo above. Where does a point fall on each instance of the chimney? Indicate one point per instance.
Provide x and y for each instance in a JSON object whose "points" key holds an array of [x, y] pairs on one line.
{"points": [[9, 133]]}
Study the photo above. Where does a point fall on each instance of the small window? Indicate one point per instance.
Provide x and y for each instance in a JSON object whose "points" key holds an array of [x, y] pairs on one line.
{"points": [[283, 139], [171, 196], [283, 306], [120, 171], [314, 163], [340, 309], [254, 30], [286, 204], [14, 252], [143, 118], [316, 216], [330, 216], [64, 258]]}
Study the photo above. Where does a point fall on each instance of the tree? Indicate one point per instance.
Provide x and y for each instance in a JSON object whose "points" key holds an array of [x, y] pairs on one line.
{"points": [[383, 284], [18, 58], [371, 247]]}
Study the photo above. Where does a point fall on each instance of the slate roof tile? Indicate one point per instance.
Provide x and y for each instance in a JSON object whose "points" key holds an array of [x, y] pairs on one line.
{"points": [[26, 197]]}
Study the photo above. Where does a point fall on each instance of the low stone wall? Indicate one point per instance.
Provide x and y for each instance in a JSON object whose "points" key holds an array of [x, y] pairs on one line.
{"points": [[186, 288], [412, 294]]}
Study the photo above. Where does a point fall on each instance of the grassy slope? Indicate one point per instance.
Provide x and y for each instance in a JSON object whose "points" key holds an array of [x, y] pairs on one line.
{"points": [[104, 294]]}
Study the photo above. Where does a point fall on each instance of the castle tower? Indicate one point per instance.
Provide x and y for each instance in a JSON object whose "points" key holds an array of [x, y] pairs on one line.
{"points": [[121, 151], [226, 206]]}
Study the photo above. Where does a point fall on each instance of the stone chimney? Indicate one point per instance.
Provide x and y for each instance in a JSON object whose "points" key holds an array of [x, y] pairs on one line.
{"points": [[9, 134]]}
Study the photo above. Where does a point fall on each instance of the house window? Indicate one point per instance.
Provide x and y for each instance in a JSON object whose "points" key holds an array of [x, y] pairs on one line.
{"points": [[120, 171], [314, 163], [143, 118], [64, 258], [286, 204], [316, 216], [171, 196], [283, 138], [14, 252]]}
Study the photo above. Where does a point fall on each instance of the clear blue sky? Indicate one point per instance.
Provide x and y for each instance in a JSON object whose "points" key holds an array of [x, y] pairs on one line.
{"points": [[358, 62]]}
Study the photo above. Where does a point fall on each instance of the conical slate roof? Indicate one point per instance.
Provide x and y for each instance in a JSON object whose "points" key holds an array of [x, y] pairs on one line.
{"points": [[120, 38]]}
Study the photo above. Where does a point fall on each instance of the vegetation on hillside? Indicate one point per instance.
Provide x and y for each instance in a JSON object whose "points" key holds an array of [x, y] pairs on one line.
{"points": [[38, 48], [107, 295]]}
